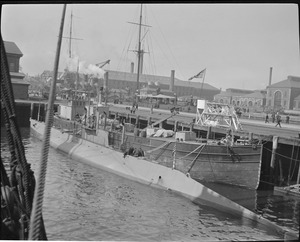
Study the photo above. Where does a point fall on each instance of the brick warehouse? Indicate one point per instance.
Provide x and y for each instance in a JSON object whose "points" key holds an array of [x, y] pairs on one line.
{"points": [[20, 86]]}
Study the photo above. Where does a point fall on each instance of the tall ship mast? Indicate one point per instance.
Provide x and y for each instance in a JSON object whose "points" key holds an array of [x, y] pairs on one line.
{"points": [[70, 38], [140, 52], [139, 55]]}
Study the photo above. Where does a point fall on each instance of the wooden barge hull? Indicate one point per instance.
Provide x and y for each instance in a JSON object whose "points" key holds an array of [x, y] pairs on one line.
{"points": [[238, 165]]}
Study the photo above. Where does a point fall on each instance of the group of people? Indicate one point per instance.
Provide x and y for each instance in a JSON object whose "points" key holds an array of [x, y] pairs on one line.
{"points": [[276, 117], [134, 108], [90, 121]]}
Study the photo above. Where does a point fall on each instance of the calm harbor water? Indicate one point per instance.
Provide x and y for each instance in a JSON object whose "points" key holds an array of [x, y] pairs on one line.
{"points": [[85, 203]]}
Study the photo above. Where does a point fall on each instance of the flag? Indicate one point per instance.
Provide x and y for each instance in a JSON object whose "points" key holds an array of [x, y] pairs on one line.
{"points": [[199, 75]]}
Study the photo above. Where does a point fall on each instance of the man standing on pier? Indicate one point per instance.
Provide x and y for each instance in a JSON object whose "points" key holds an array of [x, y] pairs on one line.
{"points": [[278, 120], [267, 119]]}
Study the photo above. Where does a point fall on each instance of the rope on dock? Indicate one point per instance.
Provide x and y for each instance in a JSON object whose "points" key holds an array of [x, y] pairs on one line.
{"points": [[195, 159], [160, 147], [284, 156], [183, 157]]}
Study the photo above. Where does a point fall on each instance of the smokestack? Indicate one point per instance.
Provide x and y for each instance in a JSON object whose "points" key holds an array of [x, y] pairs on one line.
{"points": [[270, 78], [132, 67], [171, 87]]}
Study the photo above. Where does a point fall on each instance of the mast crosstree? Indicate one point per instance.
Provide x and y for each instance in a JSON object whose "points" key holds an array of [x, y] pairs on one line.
{"points": [[140, 52], [70, 36]]}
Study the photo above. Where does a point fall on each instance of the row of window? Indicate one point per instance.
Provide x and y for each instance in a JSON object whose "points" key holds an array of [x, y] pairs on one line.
{"points": [[285, 93], [241, 103]]}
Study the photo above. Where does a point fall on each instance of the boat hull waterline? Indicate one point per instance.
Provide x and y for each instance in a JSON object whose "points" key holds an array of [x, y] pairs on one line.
{"points": [[239, 165], [145, 172]]}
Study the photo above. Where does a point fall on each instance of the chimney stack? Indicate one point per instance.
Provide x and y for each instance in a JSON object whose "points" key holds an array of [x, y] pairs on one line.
{"points": [[171, 87], [270, 78], [132, 67]]}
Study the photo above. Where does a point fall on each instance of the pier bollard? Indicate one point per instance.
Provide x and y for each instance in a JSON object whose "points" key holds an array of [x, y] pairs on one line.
{"points": [[161, 125], [105, 120], [127, 118], [149, 121], [250, 136], [208, 134], [31, 110], [175, 126], [123, 135], [272, 163], [137, 120]]}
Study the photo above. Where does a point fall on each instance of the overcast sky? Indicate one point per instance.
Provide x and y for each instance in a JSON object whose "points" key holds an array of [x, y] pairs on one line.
{"points": [[236, 43]]}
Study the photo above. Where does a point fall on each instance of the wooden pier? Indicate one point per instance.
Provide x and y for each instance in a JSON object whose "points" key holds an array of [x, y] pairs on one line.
{"points": [[281, 146]]}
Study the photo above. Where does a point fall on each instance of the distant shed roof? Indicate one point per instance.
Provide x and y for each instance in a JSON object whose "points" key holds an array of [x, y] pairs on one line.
{"points": [[256, 94], [290, 82], [127, 76], [12, 48], [224, 94]]}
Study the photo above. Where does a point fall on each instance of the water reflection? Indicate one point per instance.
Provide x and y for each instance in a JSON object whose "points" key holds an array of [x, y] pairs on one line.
{"points": [[281, 209], [278, 208]]}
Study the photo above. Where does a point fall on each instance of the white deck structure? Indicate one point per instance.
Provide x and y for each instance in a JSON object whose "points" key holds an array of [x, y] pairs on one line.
{"points": [[217, 114]]}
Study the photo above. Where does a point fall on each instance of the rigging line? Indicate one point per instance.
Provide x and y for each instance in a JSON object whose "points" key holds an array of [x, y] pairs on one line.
{"points": [[151, 55], [168, 46], [36, 213], [290, 158], [295, 162], [4, 177], [291, 162], [124, 47], [162, 51]]}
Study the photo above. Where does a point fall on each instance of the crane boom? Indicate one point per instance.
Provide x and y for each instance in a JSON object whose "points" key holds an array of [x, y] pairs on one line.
{"points": [[101, 64]]}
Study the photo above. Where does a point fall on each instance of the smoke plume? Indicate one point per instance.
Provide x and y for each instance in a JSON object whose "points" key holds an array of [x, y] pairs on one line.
{"points": [[73, 64]]}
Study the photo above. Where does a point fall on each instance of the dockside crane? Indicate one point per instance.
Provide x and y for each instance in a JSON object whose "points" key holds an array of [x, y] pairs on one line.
{"points": [[102, 64]]}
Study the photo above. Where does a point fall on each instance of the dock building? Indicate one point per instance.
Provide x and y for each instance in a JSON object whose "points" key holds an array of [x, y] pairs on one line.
{"points": [[20, 86], [169, 86], [245, 99], [284, 94]]}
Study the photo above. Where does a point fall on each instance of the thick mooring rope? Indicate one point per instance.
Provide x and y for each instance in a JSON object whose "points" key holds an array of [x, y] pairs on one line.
{"points": [[39, 190], [21, 182]]}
